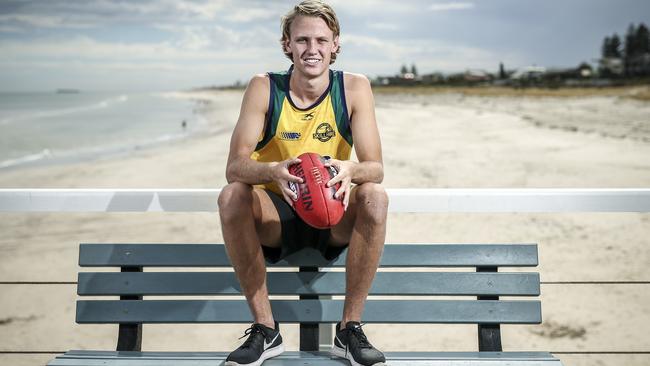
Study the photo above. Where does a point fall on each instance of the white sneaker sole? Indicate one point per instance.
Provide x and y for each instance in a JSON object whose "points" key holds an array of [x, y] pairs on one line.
{"points": [[340, 352], [271, 352]]}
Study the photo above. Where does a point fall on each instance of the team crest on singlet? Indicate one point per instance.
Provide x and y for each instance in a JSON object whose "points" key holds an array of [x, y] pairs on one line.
{"points": [[324, 132]]}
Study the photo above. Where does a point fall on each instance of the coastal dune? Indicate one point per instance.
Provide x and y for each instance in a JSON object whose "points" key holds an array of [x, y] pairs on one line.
{"points": [[439, 140]]}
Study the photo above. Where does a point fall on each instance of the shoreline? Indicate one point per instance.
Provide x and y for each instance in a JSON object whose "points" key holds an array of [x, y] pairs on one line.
{"points": [[202, 107], [498, 124]]}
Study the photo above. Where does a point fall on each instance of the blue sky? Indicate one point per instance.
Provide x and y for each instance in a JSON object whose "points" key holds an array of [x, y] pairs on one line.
{"points": [[177, 44]]}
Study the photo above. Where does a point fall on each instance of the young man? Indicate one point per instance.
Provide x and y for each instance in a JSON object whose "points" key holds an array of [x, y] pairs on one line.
{"points": [[309, 108]]}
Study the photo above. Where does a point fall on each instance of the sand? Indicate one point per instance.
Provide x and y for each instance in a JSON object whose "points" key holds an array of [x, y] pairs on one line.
{"points": [[446, 140]]}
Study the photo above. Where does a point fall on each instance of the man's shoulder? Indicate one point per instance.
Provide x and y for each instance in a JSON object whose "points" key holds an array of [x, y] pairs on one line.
{"points": [[357, 89], [259, 80], [355, 82], [257, 93]]}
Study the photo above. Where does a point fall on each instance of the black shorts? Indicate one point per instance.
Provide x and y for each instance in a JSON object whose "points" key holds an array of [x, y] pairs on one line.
{"points": [[296, 234]]}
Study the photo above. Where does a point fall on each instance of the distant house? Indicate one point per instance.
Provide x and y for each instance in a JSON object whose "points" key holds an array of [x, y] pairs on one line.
{"points": [[585, 71], [406, 78], [611, 66], [477, 76], [434, 78], [529, 73]]}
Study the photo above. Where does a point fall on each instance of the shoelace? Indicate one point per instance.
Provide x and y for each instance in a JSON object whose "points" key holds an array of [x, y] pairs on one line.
{"points": [[255, 328], [359, 335]]}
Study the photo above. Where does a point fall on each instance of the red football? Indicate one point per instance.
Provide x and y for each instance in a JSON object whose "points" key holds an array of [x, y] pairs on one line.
{"points": [[316, 204]]}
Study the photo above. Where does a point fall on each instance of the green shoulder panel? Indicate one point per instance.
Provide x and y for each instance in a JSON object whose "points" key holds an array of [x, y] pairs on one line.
{"points": [[340, 106], [278, 81]]}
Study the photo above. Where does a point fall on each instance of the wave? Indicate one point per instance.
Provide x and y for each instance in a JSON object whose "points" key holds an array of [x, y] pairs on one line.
{"points": [[25, 159], [66, 111], [47, 156]]}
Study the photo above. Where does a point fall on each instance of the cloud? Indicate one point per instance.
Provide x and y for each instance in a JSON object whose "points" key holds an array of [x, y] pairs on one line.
{"points": [[19, 21], [374, 55], [217, 44], [451, 6], [383, 26], [249, 15], [206, 10], [368, 7]]}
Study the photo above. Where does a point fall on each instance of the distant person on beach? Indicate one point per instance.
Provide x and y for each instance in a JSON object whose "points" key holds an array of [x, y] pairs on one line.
{"points": [[308, 108], [184, 125]]}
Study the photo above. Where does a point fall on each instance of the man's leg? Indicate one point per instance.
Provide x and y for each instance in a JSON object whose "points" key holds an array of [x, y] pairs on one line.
{"points": [[248, 220], [364, 227]]}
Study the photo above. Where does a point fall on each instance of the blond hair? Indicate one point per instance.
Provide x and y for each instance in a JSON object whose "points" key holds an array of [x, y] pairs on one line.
{"points": [[312, 8]]}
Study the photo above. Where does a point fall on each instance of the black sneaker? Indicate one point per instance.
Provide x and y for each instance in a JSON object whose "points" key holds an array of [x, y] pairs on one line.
{"points": [[352, 344], [262, 343]]}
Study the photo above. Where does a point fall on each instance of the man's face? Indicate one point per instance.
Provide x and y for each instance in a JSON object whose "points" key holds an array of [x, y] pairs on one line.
{"points": [[312, 44]]}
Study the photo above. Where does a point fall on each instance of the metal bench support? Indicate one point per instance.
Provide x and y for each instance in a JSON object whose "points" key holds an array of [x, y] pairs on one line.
{"points": [[309, 332], [489, 335], [130, 335]]}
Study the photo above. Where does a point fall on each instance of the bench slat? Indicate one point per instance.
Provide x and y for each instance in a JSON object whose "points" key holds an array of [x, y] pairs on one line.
{"points": [[293, 358], [395, 255], [321, 283], [325, 311]]}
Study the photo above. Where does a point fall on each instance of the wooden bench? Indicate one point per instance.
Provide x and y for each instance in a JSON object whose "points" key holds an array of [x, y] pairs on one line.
{"points": [[131, 311]]}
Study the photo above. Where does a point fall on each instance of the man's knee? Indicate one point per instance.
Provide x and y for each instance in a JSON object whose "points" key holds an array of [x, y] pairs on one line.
{"points": [[233, 198], [372, 201]]}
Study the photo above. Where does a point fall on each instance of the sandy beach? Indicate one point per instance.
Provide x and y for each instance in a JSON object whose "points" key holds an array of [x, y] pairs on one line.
{"points": [[438, 140]]}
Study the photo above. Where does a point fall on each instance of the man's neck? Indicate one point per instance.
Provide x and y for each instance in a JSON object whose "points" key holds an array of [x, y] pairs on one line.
{"points": [[306, 91]]}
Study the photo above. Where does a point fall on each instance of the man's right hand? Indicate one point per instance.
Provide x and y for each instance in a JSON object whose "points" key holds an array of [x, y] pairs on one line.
{"points": [[282, 177]]}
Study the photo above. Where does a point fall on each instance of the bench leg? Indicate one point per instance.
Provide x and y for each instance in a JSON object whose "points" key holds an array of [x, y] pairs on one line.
{"points": [[129, 336], [308, 331], [489, 338], [489, 335]]}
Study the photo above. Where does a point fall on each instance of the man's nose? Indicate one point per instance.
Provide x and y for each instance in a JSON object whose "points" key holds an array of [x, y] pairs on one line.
{"points": [[312, 47]]}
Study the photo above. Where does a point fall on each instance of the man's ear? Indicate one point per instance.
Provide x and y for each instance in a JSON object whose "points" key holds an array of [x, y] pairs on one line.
{"points": [[286, 46], [335, 44]]}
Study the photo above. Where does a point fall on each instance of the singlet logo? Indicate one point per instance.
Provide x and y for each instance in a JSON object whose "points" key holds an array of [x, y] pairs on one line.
{"points": [[292, 136], [324, 132], [308, 116]]}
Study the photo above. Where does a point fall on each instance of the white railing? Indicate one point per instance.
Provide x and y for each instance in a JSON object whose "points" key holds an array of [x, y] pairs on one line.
{"points": [[401, 200]]}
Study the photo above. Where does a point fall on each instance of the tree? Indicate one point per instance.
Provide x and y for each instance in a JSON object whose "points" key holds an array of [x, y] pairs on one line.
{"points": [[502, 71], [615, 46], [630, 42], [611, 46], [642, 39], [604, 50], [637, 46], [403, 70], [414, 71], [629, 49]]}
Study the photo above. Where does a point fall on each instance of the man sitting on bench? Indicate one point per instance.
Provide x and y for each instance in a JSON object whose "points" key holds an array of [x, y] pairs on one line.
{"points": [[309, 108]]}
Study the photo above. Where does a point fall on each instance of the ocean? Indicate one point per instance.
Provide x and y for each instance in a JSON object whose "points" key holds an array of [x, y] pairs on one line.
{"points": [[50, 128]]}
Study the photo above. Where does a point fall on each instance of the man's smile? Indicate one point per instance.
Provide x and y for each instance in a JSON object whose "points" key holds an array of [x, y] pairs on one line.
{"points": [[312, 60]]}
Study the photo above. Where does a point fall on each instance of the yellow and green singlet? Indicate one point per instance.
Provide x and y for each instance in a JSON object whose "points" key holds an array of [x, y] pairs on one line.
{"points": [[323, 127]]}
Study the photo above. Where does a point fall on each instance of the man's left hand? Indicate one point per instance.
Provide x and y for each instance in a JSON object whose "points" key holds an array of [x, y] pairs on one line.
{"points": [[345, 170]]}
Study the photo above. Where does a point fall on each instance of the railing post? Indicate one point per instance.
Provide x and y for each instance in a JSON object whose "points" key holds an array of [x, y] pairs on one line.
{"points": [[308, 331], [489, 335], [130, 335]]}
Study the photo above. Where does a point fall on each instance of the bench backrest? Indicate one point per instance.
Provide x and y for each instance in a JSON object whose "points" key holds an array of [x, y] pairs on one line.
{"points": [[486, 284]]}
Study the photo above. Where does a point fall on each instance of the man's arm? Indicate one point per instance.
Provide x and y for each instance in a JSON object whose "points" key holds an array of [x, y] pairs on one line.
{"points": [[240, 167], [365, 135]]}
